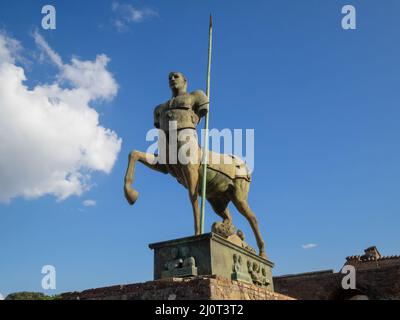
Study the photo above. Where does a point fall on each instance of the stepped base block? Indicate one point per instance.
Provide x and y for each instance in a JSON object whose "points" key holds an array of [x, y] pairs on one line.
{"points": [[210, 254]]}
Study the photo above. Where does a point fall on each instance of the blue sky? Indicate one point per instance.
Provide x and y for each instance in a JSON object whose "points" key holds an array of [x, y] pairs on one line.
{"points": [[323, 101]]}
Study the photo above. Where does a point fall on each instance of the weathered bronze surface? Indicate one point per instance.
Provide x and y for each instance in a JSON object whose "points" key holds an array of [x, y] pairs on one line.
{"points": [[210, 254], [227, 181]]}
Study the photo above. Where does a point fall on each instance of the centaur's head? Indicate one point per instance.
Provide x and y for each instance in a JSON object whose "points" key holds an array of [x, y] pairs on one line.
{"points": [[177, 83]]}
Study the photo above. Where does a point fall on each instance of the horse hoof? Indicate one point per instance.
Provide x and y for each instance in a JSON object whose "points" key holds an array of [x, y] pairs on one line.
{"points": [[131, 195]]}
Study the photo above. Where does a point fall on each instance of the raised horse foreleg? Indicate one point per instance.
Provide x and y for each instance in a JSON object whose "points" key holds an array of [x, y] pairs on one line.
{"points": [[150, 161]]}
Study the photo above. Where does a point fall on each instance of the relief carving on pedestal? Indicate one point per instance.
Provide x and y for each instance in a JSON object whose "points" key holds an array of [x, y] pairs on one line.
{"points": [[181, 264]]}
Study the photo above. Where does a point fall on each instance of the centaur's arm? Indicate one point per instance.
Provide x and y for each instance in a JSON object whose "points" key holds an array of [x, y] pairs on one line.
{"points": [[201, 103]]}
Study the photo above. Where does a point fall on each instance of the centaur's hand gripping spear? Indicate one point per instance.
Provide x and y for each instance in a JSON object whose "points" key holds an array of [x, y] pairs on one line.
{"points": [[205, 150]]}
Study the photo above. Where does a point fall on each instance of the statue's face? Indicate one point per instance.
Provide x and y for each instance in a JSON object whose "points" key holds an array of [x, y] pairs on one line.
{"points": [[176, 81]]}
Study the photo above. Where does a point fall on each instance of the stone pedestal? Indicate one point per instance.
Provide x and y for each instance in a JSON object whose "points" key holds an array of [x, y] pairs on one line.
{"points": [[210, 254]]}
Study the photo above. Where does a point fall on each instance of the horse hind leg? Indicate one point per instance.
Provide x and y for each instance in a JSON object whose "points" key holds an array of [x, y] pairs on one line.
{"points": [[239, 199], [226, 227], [244, 208], [220, 207], [190, 173]]}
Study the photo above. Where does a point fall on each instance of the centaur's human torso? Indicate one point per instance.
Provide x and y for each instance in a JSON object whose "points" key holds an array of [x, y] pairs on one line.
{"points": [[186, 110], [178, 116]]}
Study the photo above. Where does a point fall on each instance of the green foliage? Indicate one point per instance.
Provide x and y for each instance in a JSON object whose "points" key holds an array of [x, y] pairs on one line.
{"points": [[30, 296]]}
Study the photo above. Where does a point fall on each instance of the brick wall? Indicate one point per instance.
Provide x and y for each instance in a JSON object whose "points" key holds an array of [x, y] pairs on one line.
{"points": [[377, 278], [204, 288]]}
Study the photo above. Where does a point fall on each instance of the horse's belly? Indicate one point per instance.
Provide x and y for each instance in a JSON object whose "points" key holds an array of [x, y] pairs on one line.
{"points": [[217, 183]]}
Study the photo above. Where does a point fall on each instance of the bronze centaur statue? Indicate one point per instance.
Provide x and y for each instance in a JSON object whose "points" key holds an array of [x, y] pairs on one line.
{"points": [[228, 179]]}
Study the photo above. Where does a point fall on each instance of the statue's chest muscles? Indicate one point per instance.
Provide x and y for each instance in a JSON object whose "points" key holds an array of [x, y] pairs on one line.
{"points": [[179, 109], [182, 102]]}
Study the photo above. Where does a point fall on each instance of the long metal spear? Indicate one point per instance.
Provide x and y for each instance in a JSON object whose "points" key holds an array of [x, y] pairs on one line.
{"points": [[205, 150]]}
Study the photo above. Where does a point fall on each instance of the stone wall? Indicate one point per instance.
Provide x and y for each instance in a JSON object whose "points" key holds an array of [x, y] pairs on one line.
{"points": [[372, 263], [377, 278], [204, 288], [224, 289], [308, 286]]}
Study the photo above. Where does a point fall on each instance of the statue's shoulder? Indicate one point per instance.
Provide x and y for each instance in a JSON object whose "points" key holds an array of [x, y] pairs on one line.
{"points": [[200, 97], [198, 93], [200, 102], [160, 107]]}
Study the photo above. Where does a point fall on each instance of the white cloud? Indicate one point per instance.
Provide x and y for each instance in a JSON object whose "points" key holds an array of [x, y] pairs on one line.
{"points": [[91, 76], [127, 14], [9, 48], [1, 297], [46, 48], [89, 203], [308, 246], [50, 136]]}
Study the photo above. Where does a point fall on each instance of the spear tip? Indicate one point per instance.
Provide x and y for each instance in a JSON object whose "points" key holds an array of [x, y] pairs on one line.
{"points": [[210, 20]]}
